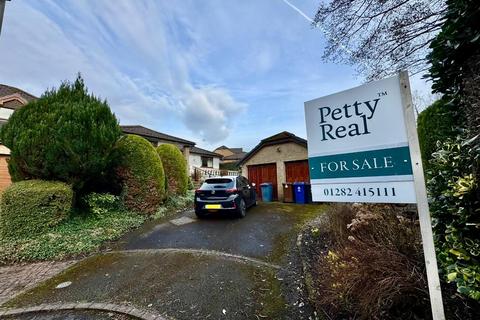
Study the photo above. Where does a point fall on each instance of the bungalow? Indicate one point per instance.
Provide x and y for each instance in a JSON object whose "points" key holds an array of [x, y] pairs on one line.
{"points": [[196, 157], [281, 158], [202, 158]]}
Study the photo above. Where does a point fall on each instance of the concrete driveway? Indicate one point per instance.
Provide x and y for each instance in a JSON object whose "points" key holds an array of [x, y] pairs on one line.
{"points": [[185, 268]]}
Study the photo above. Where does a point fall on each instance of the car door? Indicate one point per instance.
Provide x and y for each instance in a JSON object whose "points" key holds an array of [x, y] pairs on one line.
{"points": [[243, 190], [250, 194]]}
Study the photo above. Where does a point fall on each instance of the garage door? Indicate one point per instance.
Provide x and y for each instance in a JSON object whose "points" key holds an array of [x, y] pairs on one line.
{"points": [[263, 173], [297, 171]]}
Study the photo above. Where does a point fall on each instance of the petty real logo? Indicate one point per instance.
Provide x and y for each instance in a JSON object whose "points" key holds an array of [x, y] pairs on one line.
{"points": [[350, 120], [360, 113]]}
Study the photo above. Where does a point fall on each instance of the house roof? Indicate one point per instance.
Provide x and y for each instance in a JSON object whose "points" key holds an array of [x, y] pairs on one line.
{"points": [[204, 152], [233, 150], [236, 150], [153, 135], [235, 156], [9, 90], [279, 138]]}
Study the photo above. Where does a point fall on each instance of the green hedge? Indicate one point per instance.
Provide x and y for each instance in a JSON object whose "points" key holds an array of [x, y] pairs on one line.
{"points": [[175, 167], [141, 174], [33, 206], [454, 205], [436, 123]]}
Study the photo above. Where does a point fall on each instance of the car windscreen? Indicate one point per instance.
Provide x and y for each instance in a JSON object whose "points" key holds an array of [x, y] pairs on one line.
{"points": [[217, 183]]}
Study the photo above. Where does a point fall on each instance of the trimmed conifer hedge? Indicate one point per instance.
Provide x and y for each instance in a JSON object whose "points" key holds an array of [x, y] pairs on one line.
{"points": [[436, 123], [141, 174], [33, 206], [175, 167]]}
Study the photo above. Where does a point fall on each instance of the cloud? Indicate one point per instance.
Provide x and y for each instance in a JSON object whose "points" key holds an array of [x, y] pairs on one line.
{"points": [[211, 112], [134, 54]]}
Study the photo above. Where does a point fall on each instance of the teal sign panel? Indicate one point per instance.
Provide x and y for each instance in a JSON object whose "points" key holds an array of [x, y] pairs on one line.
{"points": [[374, 163]]}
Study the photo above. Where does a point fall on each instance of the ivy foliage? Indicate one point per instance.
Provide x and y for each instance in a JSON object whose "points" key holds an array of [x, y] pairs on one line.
{"points": [[66, 135], [33, 207], [101, 203], [454, 172], [456, 213], [175, 167], [141, 174]]}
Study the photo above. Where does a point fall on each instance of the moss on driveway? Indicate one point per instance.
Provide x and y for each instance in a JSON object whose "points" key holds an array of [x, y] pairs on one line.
{"points": [[190, 284], [180, 285]]}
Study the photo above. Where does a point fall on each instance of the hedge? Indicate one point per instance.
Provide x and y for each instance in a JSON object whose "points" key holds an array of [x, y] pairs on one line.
{"points": [[141, 174], [437, 123], [175, 169], [33, 207]]}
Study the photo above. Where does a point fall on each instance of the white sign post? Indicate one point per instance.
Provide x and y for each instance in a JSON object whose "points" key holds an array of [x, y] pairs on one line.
{"points": [[363, 147]]}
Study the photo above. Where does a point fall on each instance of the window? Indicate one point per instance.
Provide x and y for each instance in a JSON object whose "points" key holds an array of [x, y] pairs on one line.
{"points": [[218, 183], [207, 162]]}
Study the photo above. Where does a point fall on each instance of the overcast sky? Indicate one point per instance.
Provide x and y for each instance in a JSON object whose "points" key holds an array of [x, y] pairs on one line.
{"points": [[214, 72]]}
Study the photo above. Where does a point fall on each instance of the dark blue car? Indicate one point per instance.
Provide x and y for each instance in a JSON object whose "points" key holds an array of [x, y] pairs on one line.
{"points": [[225, 194]]}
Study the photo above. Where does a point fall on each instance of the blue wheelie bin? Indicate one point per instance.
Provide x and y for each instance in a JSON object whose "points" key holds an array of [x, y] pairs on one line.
{"points": [[267, 191], [300, 192]]}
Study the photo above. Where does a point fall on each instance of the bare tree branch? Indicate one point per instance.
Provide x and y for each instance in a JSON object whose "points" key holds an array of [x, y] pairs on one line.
{"points": [[382, 36]]}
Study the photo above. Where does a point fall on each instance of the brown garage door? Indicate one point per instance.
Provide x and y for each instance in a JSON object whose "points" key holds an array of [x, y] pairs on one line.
{"points": [[263, 173], [297, 171]]}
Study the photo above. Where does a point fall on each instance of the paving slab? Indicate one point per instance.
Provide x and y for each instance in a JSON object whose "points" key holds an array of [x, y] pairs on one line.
{"points": [[182, 220], [17, 278]]}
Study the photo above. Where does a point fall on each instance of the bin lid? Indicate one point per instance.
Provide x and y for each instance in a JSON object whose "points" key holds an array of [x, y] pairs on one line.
{"points": [[266, 184], [299, 183]]}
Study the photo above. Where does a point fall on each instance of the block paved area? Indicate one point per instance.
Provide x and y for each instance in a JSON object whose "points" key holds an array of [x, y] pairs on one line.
{"points": [[17, 278]]}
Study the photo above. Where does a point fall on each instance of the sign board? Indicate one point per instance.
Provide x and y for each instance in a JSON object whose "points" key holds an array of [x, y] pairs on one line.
{"points": [[363, 147], [358, 148]]}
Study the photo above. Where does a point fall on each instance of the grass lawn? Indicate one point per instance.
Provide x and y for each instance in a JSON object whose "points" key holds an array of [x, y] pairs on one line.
{"points": [[82, 234]]}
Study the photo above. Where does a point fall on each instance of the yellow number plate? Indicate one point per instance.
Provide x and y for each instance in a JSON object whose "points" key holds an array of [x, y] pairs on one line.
{"points": [[213, 206]]}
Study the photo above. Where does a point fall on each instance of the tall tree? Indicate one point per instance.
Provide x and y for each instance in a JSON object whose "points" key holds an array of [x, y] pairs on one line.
{"points": [[380, 37], [67, 134]]}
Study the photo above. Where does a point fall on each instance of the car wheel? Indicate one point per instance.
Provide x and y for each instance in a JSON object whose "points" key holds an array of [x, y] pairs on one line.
{"points": [[242, 209]]}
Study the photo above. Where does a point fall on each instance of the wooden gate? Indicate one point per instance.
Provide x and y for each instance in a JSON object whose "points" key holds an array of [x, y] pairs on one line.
{"points": [[263, 173], [297, 171]]}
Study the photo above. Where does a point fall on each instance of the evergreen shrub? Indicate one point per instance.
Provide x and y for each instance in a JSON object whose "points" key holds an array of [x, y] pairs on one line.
{"points": [[141, 174], [33, 207], [175, 167], [65, 135]]}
